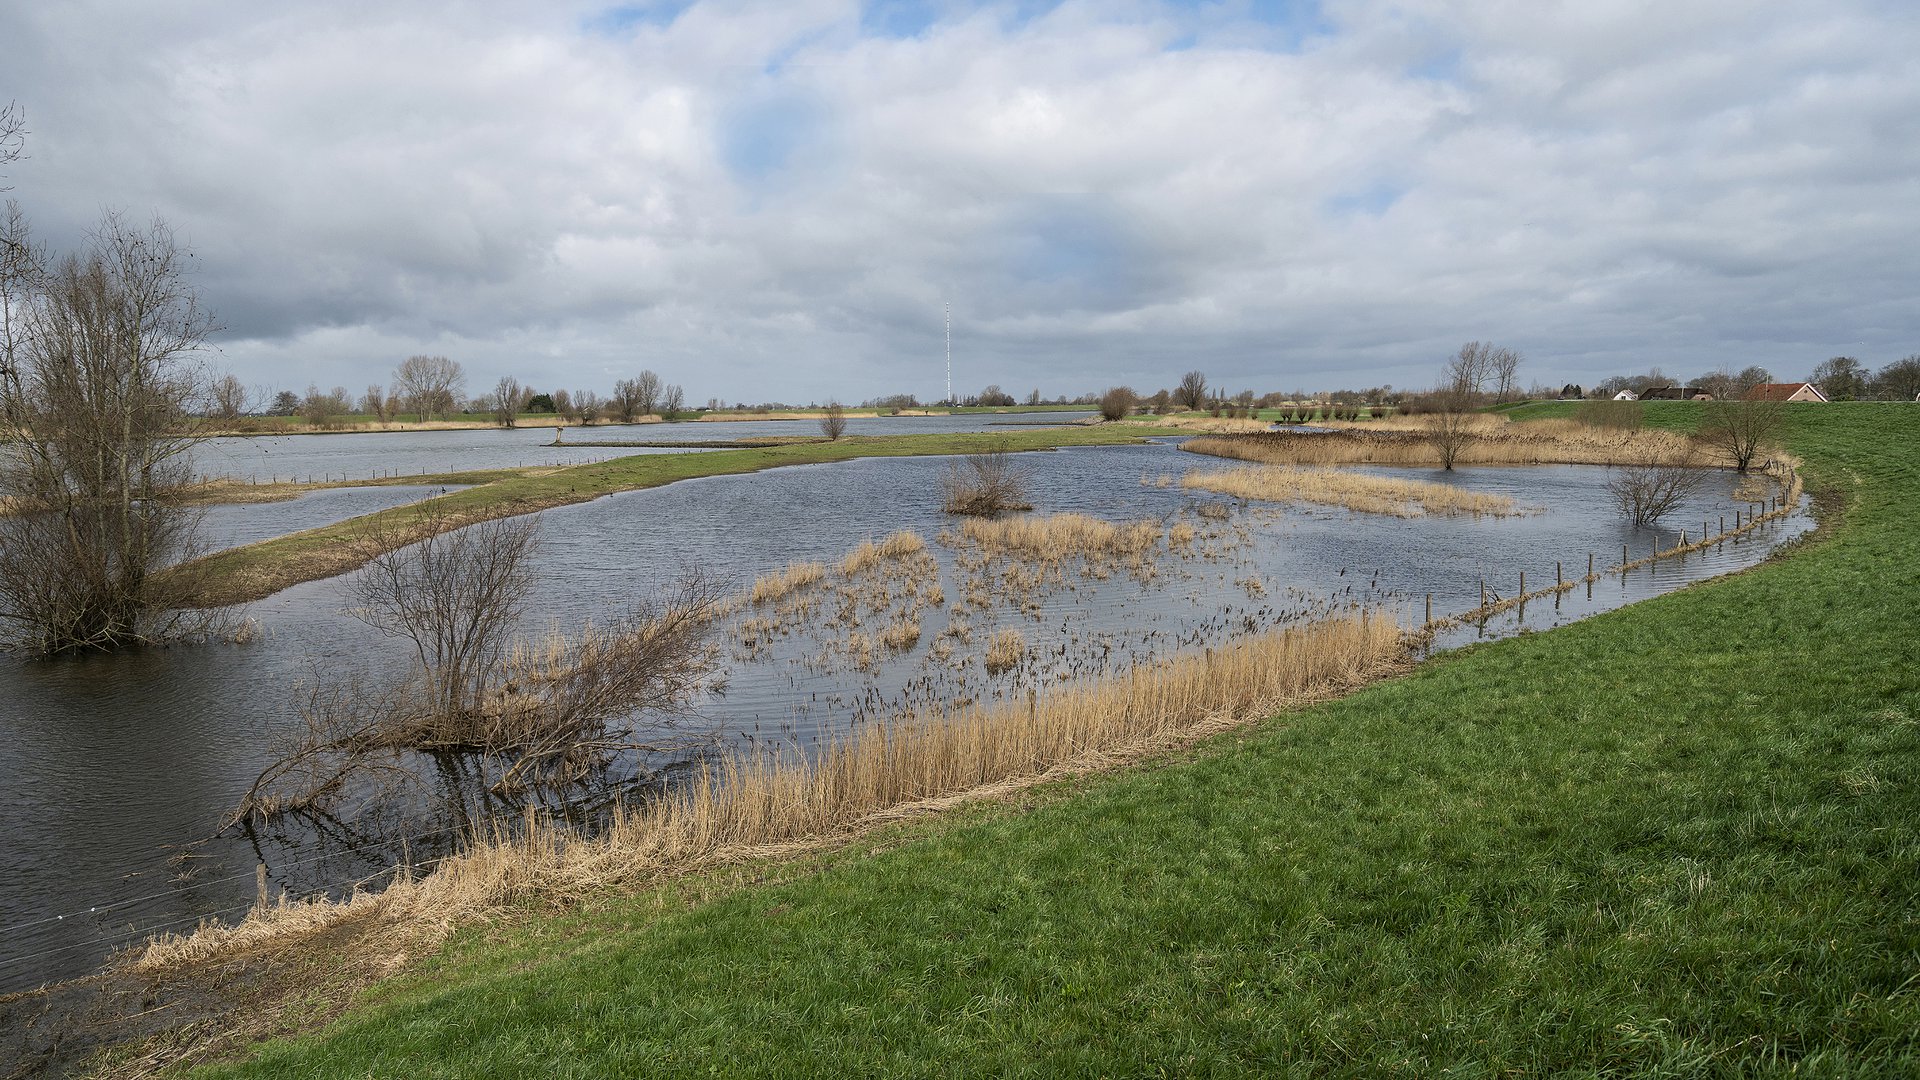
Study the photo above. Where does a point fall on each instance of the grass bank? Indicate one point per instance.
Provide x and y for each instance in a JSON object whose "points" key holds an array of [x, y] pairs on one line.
{"points": [[1679, 838], [244, 574]]}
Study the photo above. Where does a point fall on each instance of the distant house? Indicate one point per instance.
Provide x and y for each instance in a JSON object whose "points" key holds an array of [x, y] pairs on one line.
{"points": [[1786, 391], [1674, 393], [1626, 395]]}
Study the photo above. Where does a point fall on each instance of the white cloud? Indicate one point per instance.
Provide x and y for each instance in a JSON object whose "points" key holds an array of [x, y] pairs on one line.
{"points": [[760, 202]]}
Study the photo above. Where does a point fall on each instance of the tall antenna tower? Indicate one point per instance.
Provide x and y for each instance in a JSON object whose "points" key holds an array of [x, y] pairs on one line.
{"points": [[949, 307]]}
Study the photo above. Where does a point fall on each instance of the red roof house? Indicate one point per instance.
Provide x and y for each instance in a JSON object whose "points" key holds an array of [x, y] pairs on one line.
{"points": [[1786, 391]]}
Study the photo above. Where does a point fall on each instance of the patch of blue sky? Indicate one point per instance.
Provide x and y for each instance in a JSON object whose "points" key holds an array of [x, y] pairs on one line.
{"points": [[1078, 248], [761, 139], [1441, 66], [622, 19], [1285, 24], [1371, 201]]}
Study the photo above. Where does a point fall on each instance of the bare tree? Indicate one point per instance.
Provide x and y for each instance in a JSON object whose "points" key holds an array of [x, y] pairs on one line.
{"points": [[635, 398], [227, 399], [1117, 403], [1740, 429], [588, 407], [563, 406], [1652, 489], [453, 595], [1469, 370], [833, 422], [506, 401], [95, 385], [13, 134], [547, 713], [376, 403], [430, 385], [324, 409], [1451, 425], [1191, 394], [1749, 377], [672, 400], [986, 484]]}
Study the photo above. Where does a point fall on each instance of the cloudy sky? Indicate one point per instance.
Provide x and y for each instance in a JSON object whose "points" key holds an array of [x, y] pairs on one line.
{"points": [[772, 201]]}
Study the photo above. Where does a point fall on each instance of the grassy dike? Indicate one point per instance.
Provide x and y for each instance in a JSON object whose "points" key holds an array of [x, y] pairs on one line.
{"points": [[256, 571], [1682, 838]]}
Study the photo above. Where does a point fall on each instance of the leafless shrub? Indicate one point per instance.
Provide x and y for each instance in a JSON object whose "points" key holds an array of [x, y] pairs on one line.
{"points": [[1652, 489], [95, 387], [534, 716], [1117, 403], [1740, 429], [986, 484], [833, 422], [430, 385], [1451, 427]]}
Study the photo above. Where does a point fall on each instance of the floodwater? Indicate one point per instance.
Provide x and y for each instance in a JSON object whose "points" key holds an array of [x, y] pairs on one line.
{"points": [[122, 767], [364, 455]]}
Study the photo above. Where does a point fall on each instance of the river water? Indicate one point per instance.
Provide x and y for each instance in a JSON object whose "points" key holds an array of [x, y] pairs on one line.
{"points": [[121, 767]]}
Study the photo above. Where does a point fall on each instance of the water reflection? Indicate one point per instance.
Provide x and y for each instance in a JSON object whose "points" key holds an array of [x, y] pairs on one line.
{"points": [[123, 765]]}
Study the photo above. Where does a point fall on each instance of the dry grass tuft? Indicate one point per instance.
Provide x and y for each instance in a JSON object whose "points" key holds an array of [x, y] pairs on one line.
{"points": [[1355, 491], [778, 585], [867, 555], [1053, 538], [756, 806], [901, 635], [1005, 651]]}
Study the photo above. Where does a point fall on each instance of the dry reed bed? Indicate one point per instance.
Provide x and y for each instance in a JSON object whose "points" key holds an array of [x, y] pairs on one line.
{"points": [[752, 806], [1355, 491], [1497, 441], [778, 585]]}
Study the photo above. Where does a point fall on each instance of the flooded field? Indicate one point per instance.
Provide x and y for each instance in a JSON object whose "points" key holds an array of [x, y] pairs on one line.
{"points": [[124, 766]]}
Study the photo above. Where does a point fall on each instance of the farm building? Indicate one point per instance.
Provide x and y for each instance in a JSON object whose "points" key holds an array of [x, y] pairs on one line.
{"points": [[1786, 391]]}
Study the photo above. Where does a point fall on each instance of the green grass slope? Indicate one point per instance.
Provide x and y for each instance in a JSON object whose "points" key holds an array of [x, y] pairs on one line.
{"points": [[1678, 839]]}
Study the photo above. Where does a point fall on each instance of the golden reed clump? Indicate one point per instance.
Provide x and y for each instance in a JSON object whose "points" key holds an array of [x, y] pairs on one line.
{"points": [[756, 805], [1355, 491]]}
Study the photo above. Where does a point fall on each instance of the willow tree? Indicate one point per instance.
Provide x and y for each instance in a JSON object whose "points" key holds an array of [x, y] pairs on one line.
{"points": [[96, 383]]}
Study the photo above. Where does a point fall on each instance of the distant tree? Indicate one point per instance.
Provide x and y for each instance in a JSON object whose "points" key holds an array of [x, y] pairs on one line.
{"points": [[1654, 377], [588, 407], [1610, 386], [1740, 429], [563, 405], [1162, 402], [1749, 377], [833, 422], [285, 403], [1899, 381], [1842, 379], [1191, 394], [1479, 364], [430, 385], [1034, 398], [1571, 392], [542, 403], [505, 401], [227, 401], [374, 403], [323, 409], [672, 400], [1117, 403], [996, 397], [635, 398], [1718, 382]]}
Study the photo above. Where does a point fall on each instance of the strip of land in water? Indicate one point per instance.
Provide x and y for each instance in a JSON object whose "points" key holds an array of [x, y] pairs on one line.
{"points": [[256, 571]]}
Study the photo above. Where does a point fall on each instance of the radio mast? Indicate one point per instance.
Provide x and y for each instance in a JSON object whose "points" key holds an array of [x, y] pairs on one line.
{"points": [[949, 307]]}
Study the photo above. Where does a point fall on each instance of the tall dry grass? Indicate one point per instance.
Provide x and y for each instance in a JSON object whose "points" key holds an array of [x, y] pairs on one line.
{"points": [[1496, 441], [1355, 491], [759, 805], [779, 584], [868, 554], [1052, 538]]}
